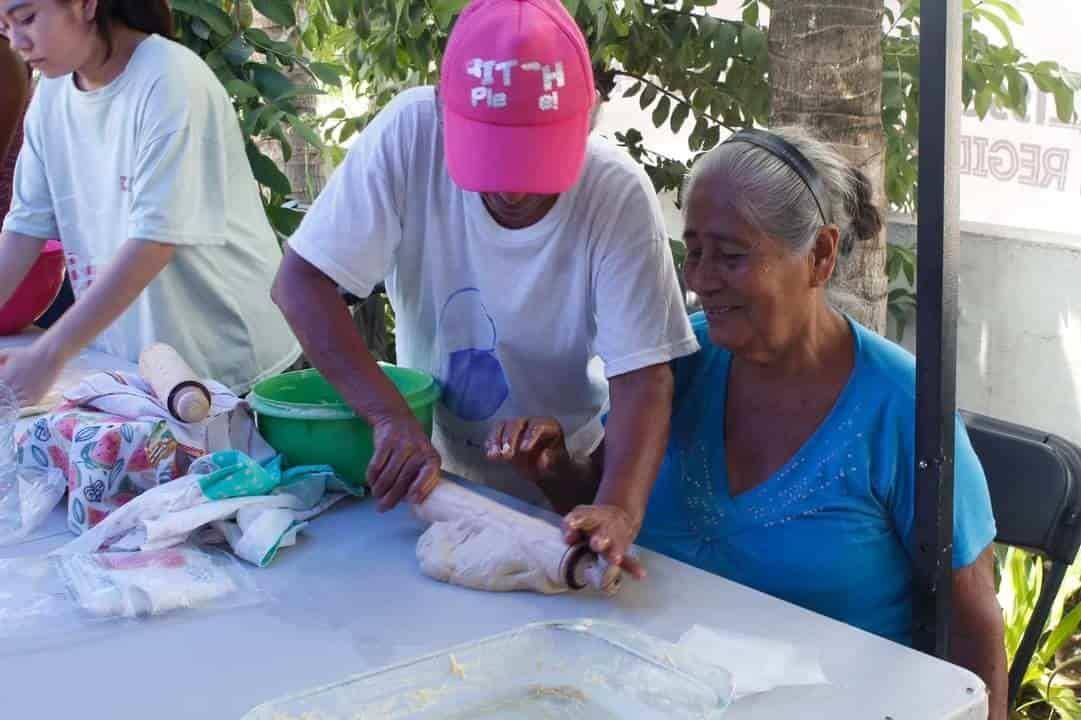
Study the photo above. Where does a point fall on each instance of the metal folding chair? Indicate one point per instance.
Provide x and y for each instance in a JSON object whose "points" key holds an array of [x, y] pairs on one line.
{"points": [[1035, 484]]}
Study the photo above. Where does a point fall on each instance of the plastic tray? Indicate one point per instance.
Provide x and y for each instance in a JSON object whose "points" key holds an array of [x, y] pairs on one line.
{"points": [[571, 669]]}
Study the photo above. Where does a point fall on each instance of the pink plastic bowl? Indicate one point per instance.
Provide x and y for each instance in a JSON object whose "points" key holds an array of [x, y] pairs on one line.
{"points": [[36, 293]]}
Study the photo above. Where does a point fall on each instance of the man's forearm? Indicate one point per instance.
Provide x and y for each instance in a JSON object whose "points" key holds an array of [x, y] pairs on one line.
{"points": [[636, 438], [321, 322], [574, 482]]}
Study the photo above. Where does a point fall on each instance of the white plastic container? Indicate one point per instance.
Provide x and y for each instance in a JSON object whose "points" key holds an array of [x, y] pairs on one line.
{"points": [[573, 669]]}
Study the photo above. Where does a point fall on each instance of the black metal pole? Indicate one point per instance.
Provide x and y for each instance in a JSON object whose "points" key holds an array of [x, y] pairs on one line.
{"points": [[938, 239]]}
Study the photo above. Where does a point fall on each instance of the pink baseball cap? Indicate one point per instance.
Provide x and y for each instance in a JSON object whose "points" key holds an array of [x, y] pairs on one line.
{"points": [[517, 92]]}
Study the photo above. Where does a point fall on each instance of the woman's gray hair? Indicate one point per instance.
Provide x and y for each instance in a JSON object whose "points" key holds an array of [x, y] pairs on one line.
{"points": [[770, 196]]}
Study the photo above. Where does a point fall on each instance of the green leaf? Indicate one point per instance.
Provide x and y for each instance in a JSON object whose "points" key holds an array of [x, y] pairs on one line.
{"points": [[237, 52], [306, 132], [298, 91], [200, 29], [660, 113], [983, 101], [679, 116], [266, 172], [339, 9], [1061, 633], [724, 41], [277, 11], [711, 137], [1017, 90], [447, 10], [572, 6], [632, 90], [647, 97], [260, 39], [217, 19], [329, 73], [285, 220], [271, 83], [750, 13], [998, 22], [1064, 103], [1008, 10], [241, 89], [253, 118], [349, 128], [753, 42]]}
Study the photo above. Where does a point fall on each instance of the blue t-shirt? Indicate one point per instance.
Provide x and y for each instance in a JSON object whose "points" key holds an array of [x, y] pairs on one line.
{"points": [[832, 529]]}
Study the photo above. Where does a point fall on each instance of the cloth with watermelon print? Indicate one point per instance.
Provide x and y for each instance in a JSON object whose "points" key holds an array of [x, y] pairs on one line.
{"points": [[113, 440], [258, 508]]}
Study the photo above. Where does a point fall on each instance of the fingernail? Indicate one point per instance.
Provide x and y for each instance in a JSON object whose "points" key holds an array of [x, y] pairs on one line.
{"points": [[506, 448]]}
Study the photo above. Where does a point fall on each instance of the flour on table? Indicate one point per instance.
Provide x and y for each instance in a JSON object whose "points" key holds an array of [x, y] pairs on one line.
{"points": [[483, 557]]}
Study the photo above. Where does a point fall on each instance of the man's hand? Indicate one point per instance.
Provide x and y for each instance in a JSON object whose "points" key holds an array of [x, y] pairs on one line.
{"points": [[404, 464], [534, 446]]}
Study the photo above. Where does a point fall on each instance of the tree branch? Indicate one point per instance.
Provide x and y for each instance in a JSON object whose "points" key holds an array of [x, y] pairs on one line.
{"points": [[678, 99], [688, 13]]}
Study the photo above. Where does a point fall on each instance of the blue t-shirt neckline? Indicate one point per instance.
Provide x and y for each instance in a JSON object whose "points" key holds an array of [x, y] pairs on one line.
{"points": [[820, 434], [831, 530]]}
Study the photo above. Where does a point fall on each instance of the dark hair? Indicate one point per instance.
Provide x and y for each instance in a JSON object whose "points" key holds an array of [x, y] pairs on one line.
{"points": [[148, 16], [865, 218]]}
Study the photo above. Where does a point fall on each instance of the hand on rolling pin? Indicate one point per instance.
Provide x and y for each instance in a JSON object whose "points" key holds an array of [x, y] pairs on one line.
{"points": [[611, 532], [536, 448], [29, 372], [405, 464]]}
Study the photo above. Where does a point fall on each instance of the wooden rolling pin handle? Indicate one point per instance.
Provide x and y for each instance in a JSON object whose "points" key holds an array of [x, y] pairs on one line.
{"points": [[189, 402], [175, 383], [582, 568]]}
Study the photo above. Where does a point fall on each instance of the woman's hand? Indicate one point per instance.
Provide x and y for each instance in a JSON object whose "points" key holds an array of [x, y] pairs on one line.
{"points": [[610, 531], [534, 446], [29, 372]]}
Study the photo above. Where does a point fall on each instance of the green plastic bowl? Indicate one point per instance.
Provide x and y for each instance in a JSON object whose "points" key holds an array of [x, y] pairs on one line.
{"points": [[305, 419]]}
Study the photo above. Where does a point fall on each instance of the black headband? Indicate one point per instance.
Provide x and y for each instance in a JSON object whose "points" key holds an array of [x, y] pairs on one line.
{"points": [[790, 156]]}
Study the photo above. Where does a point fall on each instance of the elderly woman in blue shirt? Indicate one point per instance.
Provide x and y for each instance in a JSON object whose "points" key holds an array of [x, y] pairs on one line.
{"points": [[789, 465]]}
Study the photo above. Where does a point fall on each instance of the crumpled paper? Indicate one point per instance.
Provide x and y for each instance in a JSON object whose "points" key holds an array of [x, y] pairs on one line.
{"points": [[757, 664]]}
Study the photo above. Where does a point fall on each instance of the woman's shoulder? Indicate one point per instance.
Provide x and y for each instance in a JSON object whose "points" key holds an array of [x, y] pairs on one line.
{"points": [[701, 367], [885, 363]]}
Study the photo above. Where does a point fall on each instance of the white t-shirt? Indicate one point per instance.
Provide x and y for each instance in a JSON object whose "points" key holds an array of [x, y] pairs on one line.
{"points": [[512, 322], [157, 154]]}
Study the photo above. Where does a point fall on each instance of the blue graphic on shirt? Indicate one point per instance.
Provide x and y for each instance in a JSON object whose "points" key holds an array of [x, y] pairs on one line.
{"points": [[474, 383]]}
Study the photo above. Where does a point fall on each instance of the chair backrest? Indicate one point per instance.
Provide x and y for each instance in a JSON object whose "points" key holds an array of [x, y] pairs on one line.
{"points": [[1035, 484]]}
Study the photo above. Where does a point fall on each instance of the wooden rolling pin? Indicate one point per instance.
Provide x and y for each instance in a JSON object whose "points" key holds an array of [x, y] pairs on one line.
{"points": [[575, 567], [175, 383]]}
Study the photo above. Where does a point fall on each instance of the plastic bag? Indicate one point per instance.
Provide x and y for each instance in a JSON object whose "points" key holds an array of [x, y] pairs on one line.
{"points": [[26, 499], [77, 596]]}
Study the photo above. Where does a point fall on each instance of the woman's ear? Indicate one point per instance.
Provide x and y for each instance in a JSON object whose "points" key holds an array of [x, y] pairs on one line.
{"points": [[89, 9], [824, 255]]}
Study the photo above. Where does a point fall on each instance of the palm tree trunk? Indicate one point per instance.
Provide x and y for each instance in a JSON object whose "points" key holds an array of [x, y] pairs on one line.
{"points": [[825, 73]]}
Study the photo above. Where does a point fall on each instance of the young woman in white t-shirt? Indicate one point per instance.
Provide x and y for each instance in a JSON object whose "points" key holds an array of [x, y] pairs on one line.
{"points": [[134, 158]]}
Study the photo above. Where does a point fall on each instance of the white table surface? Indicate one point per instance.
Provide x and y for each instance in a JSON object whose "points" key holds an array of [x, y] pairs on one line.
{"points": [[350, 598]]}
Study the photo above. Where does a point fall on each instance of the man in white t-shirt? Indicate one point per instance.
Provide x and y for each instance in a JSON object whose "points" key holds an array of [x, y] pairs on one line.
{"points": [[527, 264]]}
